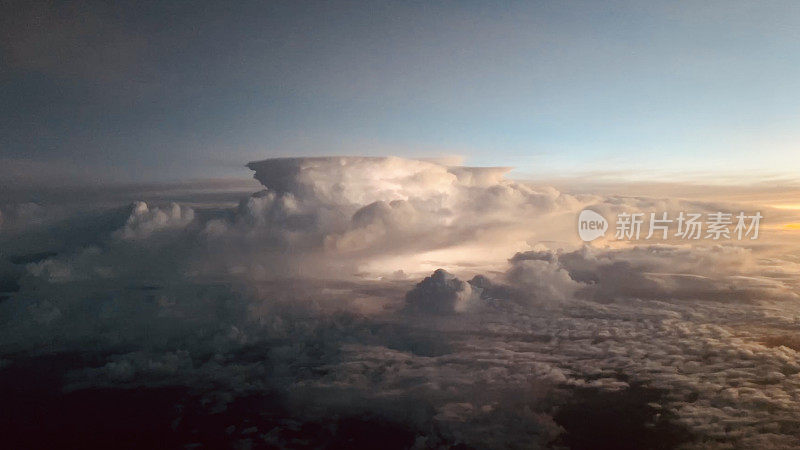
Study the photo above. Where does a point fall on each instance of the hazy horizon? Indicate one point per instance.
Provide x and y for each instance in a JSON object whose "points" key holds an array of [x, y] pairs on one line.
{"points": [[165, 91]]}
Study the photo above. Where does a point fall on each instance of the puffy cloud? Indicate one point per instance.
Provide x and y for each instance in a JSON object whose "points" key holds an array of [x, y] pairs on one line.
{"points": [[354, 180], [442, 293], [144, 221], [380, 215], [309, 294], [724, 273], [542, 279]]}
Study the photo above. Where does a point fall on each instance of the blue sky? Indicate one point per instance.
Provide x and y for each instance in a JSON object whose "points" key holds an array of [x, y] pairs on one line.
{"points": [[170, 90]]}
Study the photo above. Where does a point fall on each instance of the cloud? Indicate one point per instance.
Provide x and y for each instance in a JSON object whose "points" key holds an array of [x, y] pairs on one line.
{"points": [[446, 302], [723, 273], [442, 293], [144, 221], [354, 180], [379, 215], [545, 280]]}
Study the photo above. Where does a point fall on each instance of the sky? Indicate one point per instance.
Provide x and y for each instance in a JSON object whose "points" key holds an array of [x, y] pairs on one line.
{"points": [[261, 224], [170, 90]]}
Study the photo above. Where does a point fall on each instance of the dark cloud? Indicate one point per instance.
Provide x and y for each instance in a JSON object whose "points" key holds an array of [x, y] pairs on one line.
{"points": [[631, 418], [442, 293]]}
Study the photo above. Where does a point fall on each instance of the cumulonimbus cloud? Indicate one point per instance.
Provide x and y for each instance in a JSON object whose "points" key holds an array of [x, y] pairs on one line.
{"points": [[324, 287]]}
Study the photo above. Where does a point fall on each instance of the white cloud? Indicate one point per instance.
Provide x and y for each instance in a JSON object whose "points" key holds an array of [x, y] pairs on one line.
{"points": [[309, 288], [144, 221]]}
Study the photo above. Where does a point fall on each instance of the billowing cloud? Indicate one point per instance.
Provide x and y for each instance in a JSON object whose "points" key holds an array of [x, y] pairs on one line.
{"points": [[380, 215], [442, 293], [724, 273], [145, 221], [446, 305]]}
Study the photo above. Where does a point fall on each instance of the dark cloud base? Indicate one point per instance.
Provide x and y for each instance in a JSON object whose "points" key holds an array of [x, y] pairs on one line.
{"points": [[625, 419], [38, 414]]}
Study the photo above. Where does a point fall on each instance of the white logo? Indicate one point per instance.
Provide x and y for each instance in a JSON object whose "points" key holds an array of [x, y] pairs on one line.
{"points": [[719, 225], [591, 225]]}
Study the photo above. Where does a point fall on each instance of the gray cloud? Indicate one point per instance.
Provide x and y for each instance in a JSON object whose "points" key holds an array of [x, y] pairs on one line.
{"points": [[442, 293]]}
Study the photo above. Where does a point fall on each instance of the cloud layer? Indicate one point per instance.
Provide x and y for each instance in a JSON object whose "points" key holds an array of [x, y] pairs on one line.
{"points": [[449, 304]]}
